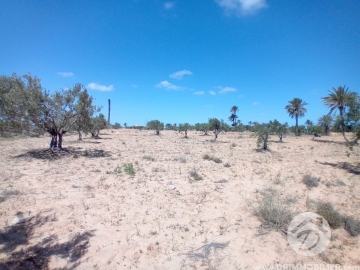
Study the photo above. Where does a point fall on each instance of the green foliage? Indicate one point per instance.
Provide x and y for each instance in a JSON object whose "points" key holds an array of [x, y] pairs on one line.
{"points": [[155, 125], [233, 115], [327, 211], [129, 169], [348, 105], [117, 169], [215, 125], [278, 128], [203, 127], [296, 108], [116, 125], [184, 127], [262, 132], [97, 123]]}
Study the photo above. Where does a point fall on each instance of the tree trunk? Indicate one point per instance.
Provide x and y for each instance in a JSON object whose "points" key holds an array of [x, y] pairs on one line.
{"points": [[343, 126], [60, 140], [186, 134], [281, 136], [80, 135], [296, 126], [216, 134], [157, 132]]}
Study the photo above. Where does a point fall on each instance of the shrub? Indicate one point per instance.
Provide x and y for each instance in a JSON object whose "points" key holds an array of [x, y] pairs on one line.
{"points": [[194, 174], [116, 170], [180, 159], [216, 160], [262, 132], [227, 165], [352, 226], [129, 169], [272, 213], [327, 211], [310, 181], [155, 125], [148, 158]]}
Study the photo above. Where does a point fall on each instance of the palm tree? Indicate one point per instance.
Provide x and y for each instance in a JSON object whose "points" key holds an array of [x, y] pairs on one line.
{"points": [[233, 115], [296, 108], [325, 121], [339, 98]]}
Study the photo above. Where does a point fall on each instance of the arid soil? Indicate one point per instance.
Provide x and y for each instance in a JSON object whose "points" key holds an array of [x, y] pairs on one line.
{"points": [[80, 209]]}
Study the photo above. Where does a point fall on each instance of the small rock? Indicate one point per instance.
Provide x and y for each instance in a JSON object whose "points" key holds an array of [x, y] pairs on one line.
{"points": [[171, 187]]}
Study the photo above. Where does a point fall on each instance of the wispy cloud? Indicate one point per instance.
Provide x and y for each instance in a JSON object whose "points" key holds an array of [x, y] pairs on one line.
{"points": [[224, 90], [168, 86], [100, 87], [212, 93], [255, 103], [199, 93], [169, 5], [180, 74], [66, 74], [241, 7]]}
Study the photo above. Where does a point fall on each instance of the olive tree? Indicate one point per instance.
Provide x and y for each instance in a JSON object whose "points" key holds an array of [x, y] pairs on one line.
{"points": [[155, 125], [25, 104], [184, 127], [262, 132], [97, 123], [215, 125]]}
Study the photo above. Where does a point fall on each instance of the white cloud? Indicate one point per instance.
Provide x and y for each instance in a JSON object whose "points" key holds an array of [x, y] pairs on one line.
{"points": [[199, 93], [180, 74], [255, 103], [169, 5], [66, 74], [242, 7], [212, 93], [224, 90], [168, 86], [100, 87]]}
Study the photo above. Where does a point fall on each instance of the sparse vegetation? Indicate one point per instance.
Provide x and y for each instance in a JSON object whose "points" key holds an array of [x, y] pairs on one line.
{"points": [[311, 181], [327, 211], [227, 165], [272, 212], [150, 158], [129, 169], [155, 125], [262, 132], [352, 226], [195, 175], [215, 159]]}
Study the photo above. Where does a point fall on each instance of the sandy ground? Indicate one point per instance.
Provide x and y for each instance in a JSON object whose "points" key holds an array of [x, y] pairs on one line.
{"points": [[77, 210]]}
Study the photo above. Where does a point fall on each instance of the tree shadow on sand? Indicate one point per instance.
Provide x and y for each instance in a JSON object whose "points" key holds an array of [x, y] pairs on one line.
{"points": [[351, 168], [328, 141], [51, 154], [15, 239]]}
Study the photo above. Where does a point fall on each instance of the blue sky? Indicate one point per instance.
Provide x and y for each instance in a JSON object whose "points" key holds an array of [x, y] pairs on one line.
{"points": [[186, 61]]}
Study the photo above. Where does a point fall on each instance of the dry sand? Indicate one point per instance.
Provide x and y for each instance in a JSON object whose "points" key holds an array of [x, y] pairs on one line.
{"points": [[73, 211]]}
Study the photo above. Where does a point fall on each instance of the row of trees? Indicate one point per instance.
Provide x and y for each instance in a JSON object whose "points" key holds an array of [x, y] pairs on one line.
{"points": [[26, 106], [340, 99]]}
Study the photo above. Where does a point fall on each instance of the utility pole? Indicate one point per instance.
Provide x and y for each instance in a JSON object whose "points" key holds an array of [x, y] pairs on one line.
{"points": [[109, 112]]}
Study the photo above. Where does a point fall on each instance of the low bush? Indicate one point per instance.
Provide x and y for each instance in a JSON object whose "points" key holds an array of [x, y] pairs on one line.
{"points": [[327, 211], [310, 181]]}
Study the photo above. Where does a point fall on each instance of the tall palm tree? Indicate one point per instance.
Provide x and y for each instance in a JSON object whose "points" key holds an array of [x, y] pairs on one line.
{"points": [[325, 121], [339, 98], [296, 108], [233, 115]]}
